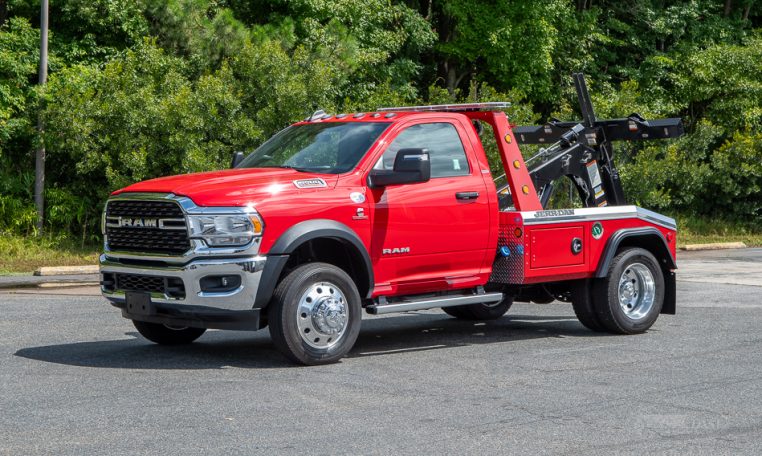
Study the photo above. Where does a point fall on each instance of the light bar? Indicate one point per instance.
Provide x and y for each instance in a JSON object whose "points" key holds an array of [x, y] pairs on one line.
{"points": [[491, 106]]}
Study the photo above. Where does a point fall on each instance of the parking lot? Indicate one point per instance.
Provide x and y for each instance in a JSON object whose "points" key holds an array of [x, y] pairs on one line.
{"points": [[77, 379]]}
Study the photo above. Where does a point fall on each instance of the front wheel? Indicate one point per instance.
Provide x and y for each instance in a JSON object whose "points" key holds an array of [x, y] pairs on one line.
{"points": [[166, 334], [480, 311], [629, 299], [314, 317]]}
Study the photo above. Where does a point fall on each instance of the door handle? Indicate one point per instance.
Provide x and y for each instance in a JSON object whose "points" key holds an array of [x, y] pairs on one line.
{"points": [[467, 195]]}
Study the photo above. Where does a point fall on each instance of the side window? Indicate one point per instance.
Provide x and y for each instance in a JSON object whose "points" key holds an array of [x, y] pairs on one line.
{"points": [[443, 142]]}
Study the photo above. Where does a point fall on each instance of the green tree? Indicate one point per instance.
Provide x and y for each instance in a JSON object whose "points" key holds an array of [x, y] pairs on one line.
{"points": [[139, 117]]}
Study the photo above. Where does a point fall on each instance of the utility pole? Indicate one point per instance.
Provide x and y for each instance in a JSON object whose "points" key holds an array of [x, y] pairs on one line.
{"points": [[39, 162]]}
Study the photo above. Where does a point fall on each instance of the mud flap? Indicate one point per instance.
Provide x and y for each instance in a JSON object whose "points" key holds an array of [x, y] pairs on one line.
{"points": [[670, 293]]}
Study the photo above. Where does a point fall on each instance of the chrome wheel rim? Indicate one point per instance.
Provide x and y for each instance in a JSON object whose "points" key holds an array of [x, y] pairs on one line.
{"points": [[322, 315], [637, 291]]}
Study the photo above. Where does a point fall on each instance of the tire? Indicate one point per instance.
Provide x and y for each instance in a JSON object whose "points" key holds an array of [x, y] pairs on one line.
{"points": [[629, 299], [314, 316], [480, 311], [166, 335], [583, 306]]}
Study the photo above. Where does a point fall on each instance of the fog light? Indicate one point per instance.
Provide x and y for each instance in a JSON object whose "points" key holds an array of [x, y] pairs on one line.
{"points": [[220, 284], [108, 281]]}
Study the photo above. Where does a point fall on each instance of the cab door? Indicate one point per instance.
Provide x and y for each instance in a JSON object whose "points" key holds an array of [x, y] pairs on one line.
{"points": [[431, 235]]}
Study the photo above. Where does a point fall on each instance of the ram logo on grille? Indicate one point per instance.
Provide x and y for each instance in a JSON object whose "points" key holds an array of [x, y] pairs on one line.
{"points": [[156, 227], [138, 222]]}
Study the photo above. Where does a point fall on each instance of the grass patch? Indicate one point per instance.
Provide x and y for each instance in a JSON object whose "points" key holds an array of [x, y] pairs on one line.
{"points": [[696, 230], [22, 254]]}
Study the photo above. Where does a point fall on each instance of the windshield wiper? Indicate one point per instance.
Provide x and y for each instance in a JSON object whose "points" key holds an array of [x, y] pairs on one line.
{"points": [[295, 168]]}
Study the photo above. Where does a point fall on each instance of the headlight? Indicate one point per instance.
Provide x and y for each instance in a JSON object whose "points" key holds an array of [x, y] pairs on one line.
{"points": [[225, 230]]}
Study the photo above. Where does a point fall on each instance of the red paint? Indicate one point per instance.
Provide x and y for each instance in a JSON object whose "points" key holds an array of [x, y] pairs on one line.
{"points": [[452, 243]]}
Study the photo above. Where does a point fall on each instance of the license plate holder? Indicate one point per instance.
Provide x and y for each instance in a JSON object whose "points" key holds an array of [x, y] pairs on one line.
{"points": [[138, 303]]}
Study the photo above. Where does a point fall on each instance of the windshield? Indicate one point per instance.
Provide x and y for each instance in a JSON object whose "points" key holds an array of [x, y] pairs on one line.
{"points": [[330, 148]]}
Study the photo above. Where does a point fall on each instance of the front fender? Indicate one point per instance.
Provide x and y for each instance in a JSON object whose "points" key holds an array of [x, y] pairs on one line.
{"points": [[297, 235]]}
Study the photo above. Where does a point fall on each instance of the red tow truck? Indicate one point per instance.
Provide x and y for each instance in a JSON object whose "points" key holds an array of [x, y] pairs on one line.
{"points": [[391, 211]]}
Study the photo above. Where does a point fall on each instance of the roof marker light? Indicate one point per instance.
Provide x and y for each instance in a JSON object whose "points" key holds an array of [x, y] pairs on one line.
{"points": [[317, 115]]}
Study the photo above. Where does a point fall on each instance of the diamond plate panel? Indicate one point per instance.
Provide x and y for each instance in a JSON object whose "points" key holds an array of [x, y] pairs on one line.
{"points": [[510, 269]]}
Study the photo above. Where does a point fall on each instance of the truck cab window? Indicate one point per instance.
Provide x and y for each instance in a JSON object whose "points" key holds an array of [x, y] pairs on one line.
{"points": [[448, 158]]}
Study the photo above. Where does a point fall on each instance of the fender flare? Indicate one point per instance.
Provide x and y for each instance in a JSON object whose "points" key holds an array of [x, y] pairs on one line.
{"points": [[660, 249], [612, 245], [297, 235]]}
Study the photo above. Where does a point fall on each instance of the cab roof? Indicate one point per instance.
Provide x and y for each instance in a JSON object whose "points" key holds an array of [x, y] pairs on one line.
{"points": [[396, 113]]}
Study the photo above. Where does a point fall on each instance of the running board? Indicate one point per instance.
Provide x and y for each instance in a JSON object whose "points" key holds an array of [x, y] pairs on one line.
{"points": [[432, 303]]}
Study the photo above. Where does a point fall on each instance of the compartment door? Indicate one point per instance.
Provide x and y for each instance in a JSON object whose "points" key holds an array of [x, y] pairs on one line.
{"points": [[556, 247]]}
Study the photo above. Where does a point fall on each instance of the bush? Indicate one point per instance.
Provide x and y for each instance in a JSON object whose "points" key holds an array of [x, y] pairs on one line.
{"points": [[138, 117], [700, 174]]}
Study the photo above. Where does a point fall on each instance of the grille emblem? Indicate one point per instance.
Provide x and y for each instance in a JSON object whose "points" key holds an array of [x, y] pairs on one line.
{"points": [[146, 222], [127, 222]]}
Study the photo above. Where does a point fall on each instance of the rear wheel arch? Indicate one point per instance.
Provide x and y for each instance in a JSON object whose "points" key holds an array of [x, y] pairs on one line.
{"points": [[647, 238], [323, 240], [652, 240]]}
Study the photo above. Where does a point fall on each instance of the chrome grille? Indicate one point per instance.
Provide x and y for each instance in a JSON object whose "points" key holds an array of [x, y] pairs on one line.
{"points": [[171, 239]]}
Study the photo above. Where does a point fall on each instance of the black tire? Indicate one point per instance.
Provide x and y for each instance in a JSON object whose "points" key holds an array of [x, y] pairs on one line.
{"points": [[582, 303], [636, 263], [284, 311], [480, 311], [165, 335]]}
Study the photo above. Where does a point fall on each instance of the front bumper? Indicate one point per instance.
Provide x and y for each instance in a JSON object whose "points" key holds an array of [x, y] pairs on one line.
{"points": [[232, 309]]}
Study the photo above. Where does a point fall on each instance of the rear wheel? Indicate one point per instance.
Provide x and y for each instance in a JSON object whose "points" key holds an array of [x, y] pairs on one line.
{"points": [[167, 334], [480, 311], [629, 299], [314, 317], [583, 306]]}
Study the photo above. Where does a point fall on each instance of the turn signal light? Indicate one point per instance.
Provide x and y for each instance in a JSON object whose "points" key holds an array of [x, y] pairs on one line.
{"points": [[256, 223]]}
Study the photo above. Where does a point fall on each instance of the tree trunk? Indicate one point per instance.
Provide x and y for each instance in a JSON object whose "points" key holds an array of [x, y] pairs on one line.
{"points": [[39, 157], [746, 12], [583, 5], [728, 7], [452, 78], [3, 11]]}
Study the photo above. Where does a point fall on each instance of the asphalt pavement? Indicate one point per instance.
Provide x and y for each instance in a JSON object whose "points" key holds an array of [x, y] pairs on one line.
{"points": [[76, 378]]}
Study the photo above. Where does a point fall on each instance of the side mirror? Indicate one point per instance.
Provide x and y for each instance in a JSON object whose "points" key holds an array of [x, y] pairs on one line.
{"points": [[237, 159], [410, 166]]}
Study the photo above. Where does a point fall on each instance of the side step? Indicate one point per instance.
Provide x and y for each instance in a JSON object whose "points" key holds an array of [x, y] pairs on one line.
{"points": [[432, 303]]}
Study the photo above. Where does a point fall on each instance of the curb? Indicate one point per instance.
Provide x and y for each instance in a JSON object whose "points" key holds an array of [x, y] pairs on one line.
{"points": [[66, 270], [713, 246], [84, 283], [48, 282]]}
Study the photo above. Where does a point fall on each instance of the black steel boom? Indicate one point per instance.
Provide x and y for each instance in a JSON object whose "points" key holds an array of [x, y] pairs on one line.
{"points": [[583, 152]]}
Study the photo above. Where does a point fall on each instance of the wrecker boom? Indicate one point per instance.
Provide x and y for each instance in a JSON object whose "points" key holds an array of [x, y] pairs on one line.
{"points": [[583, 151]]}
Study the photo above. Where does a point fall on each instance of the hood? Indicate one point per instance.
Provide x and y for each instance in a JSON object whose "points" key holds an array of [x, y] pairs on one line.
{"points": [[234, 187]]}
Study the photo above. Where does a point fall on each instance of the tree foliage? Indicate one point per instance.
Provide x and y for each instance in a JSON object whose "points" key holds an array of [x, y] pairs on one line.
{"points": [[142, 88]]}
